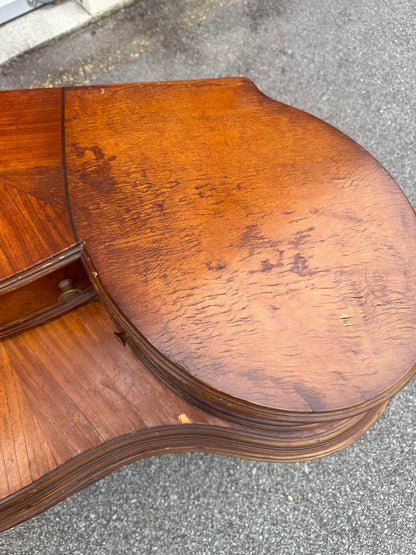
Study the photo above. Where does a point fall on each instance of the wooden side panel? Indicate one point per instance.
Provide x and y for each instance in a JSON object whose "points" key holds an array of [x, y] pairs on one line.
{"points": [[34, 223]]}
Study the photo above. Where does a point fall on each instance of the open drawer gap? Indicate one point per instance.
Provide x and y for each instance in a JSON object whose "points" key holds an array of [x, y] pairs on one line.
{"points": [[44, 298]]}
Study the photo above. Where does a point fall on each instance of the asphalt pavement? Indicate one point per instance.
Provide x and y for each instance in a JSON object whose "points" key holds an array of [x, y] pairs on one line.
{"points": [[352, 64]]}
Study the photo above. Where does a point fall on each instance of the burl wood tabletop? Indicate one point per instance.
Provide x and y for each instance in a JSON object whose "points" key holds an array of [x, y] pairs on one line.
{"points": [[265, 256]]}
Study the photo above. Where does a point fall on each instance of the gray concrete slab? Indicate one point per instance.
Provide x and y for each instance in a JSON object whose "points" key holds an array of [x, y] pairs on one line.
{"points": [[354, 65], [38, 27]]}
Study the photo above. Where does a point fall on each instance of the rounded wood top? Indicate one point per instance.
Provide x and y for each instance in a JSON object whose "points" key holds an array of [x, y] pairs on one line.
{"points": [[264, 262]]}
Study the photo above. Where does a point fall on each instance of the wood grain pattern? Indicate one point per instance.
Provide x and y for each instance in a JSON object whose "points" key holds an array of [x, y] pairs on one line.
{"points": [[255, 269], [262, 262], [34, 220], [67, 421]]}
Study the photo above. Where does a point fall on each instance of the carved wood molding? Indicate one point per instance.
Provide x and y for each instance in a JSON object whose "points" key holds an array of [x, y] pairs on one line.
{"points": [[254, 270]]}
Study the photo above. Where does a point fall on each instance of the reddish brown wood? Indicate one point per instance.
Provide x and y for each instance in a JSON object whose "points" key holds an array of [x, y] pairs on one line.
{"points": [[255, 269], [68, 420], [34, 221], [261, 261]]}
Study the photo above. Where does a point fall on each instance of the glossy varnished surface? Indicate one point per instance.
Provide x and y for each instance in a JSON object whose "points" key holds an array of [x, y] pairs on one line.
{"points": [[69, 386], [75, 404], [34, 219], [259, 258], [256, 265]]}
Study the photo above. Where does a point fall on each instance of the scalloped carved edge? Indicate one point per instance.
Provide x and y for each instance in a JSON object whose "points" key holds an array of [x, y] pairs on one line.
{"points": [[90, 466]]}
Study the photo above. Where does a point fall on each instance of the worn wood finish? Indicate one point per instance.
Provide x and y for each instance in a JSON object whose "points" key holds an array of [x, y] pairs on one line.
{"points": [[68, 420], [261, 261], [255, 269]]}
